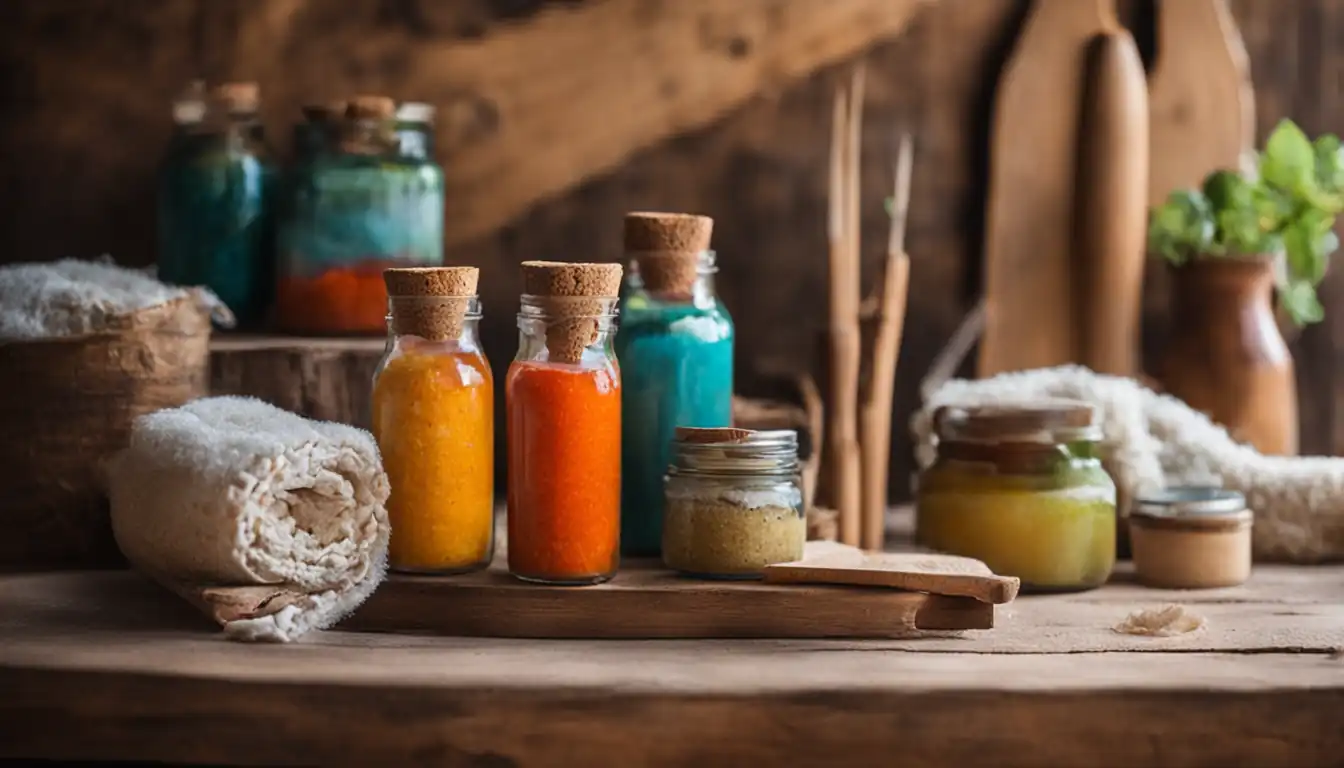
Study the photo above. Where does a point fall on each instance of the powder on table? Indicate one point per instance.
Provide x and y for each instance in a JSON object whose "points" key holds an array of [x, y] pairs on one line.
{"points": [[564, 438]]}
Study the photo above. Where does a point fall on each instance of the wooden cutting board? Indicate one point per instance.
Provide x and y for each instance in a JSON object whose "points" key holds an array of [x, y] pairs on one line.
{"points": [[648, 602], [920, 572], [1112, 199], [1201, 104], [1029, 275]]}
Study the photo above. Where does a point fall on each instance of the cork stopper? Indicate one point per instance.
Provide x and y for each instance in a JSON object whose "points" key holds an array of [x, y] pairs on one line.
{"points": [[667, 248], [573, 295], [430, 302], [370, 107], [237, 98], [716, 435]]}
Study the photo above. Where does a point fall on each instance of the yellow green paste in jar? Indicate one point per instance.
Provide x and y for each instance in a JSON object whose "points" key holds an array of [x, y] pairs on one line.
{"points": [[731, 534], [1051, 537]]}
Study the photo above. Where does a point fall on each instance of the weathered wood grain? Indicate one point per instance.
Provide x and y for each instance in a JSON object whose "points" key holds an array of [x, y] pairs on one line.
{"points": [[110, 667], [86, 119]]}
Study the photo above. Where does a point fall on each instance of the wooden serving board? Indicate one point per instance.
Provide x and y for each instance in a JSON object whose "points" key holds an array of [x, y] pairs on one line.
{"points": [[645, 601], [1029, 270], [830, 563]]}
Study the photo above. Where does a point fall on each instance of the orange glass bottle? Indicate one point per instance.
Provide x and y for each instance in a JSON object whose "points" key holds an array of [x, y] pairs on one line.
{"points": [[563, 396], [433, 417]]}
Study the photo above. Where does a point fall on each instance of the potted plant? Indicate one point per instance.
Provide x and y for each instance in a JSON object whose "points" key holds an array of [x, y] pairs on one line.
{"points": [[1242, 238]]}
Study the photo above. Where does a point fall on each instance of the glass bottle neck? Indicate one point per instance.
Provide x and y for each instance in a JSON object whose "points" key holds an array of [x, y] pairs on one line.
{"points": [[701, 292], [416, 140]]}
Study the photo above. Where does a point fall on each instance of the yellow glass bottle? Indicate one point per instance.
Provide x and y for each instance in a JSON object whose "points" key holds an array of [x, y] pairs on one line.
{"points": [[1021, 488], [433, 417]]}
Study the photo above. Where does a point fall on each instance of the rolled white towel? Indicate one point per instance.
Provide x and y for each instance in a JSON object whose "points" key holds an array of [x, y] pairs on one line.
{"points": [[271, 523]]}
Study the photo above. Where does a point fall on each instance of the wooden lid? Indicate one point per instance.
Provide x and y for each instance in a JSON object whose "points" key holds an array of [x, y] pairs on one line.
{"points": [[1046, 420], [562, 278], [370, 107], [431, 281]]}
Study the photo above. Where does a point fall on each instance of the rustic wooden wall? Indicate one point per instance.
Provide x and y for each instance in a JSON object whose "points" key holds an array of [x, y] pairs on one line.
{"points": [[86, 83]]}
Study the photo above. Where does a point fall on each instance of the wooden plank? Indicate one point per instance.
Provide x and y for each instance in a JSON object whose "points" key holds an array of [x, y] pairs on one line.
{"points": [[533, 108], [94, 666], [644, 601], [72, 715]]}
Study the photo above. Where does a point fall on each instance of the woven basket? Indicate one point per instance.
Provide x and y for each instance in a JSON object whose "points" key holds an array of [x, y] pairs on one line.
{"points": [[66, 404]]}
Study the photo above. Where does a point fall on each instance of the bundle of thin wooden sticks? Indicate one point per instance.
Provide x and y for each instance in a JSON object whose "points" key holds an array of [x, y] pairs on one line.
{"points": [[859, 433]]}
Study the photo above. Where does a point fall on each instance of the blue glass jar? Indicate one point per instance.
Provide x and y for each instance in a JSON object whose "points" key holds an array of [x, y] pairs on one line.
{"points": [[217, 199], [675, 348], [366, 194]]}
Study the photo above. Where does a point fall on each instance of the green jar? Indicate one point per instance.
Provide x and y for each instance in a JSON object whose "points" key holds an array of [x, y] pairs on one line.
{"points": [[1021, 487], [365, 194], [216, 200]]}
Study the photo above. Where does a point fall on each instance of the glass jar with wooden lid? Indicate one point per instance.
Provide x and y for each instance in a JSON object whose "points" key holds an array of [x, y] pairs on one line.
{"points": [[1020, 486]]}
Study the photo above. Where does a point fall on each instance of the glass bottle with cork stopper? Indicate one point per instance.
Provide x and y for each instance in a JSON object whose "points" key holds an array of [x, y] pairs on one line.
{"points": [[1020, 486], [433, 417], [675, 346], [358, 205], [563, 404], [217, 187]]}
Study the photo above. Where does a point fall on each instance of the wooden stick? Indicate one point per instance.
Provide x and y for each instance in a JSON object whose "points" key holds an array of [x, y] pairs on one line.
{"points": [[876, 417], [816, 425], [844, 336]]}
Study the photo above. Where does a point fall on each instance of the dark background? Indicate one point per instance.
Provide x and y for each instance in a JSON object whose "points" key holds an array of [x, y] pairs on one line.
{"points": [[85, 87]]}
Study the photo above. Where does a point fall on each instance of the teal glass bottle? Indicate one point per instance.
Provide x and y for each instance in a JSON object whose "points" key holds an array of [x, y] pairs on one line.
{"points": [[365, 194], [675, 349], [217, 191]]}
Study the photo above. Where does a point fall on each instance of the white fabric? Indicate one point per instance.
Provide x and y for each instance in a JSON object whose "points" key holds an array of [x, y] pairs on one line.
{"points": [[1154, 440], [232, 491], [73, 298]]}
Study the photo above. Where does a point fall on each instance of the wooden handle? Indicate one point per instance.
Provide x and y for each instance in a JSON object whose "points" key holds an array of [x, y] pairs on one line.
{"points": [[1112, 198]]}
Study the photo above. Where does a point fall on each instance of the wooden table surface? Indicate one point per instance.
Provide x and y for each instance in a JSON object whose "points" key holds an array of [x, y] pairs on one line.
{"points": [[106, 666]]}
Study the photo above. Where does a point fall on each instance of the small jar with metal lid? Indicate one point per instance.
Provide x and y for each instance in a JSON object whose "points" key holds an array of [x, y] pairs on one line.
{"points": [[1191, 538], [734, 502], [1020, 486]]}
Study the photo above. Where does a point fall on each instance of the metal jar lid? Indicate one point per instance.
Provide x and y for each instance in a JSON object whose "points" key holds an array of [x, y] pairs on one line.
{"points": [[734, 451], [1203, 508]]}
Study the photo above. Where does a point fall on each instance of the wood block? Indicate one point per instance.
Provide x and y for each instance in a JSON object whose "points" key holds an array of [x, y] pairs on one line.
{"points": [[936, 574], [648, 602]]}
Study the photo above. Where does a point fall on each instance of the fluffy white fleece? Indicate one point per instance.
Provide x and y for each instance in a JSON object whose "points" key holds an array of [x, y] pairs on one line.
{"points": [[75, 298], [233, 492], [1154, 440]]}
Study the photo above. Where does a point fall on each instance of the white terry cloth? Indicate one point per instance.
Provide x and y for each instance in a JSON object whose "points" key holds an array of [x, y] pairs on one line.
{"points": [[1154, 440], [271, 523], [71, 298]]}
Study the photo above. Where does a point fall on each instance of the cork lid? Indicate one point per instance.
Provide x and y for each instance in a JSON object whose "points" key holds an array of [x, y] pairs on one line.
{"points": [[573, 295], [237, 97], [370, 107], [430, 302], [1026, 421], [666, 247]]}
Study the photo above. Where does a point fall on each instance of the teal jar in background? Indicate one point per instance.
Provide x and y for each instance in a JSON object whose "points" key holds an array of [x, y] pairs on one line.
{"points": [[217, 186], [365, 194], [675, 348]]}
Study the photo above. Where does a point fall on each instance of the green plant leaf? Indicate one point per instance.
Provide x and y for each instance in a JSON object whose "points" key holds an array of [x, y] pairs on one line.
{"points": [[1329, 163], [1289, 159], [1299, 301], [1181, 227]]}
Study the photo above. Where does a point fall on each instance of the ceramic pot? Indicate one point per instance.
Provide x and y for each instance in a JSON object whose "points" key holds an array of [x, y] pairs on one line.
{"points": [[1226, 355]]}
